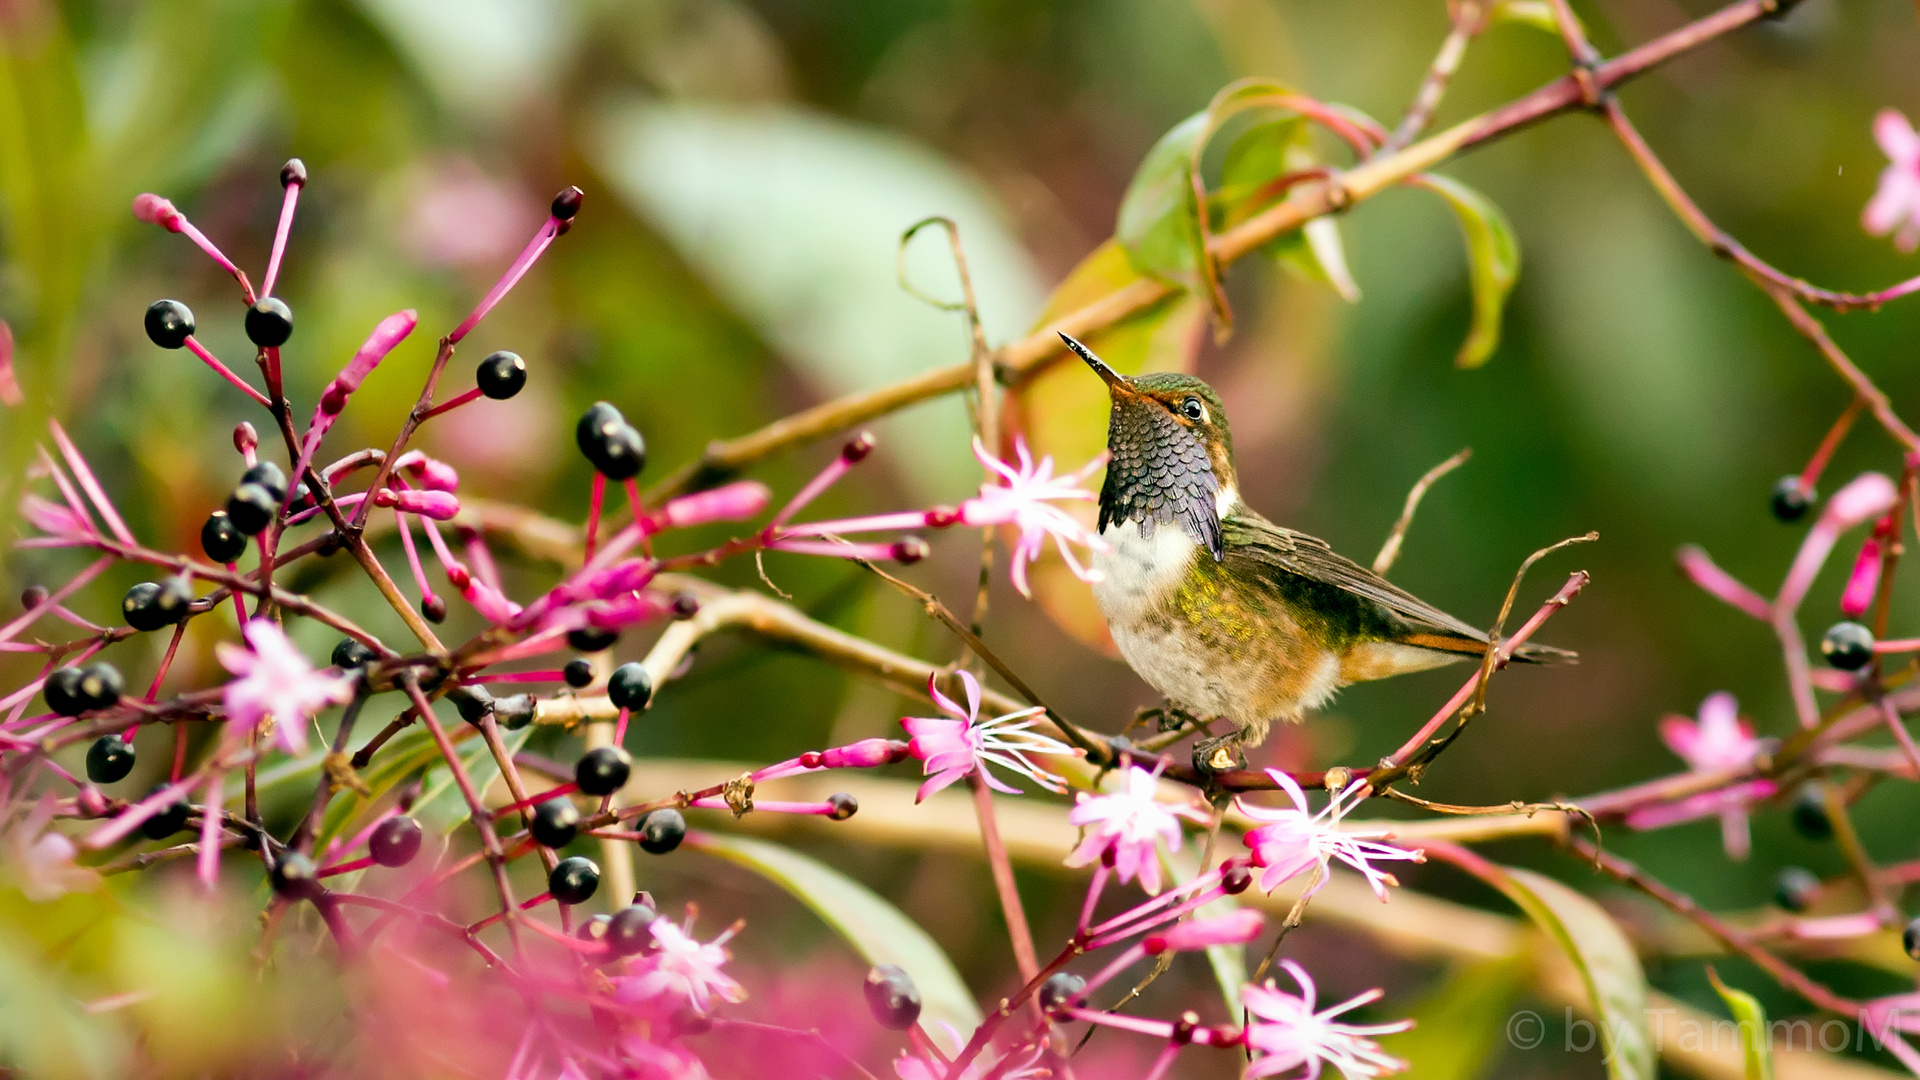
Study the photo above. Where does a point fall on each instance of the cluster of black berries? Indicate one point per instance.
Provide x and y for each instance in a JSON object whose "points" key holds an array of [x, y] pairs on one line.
{"points": [[153, 605], [626, 932], [611, 444], [71, 691]]}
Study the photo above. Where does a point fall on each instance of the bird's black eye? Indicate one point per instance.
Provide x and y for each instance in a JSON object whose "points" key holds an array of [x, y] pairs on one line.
{"points": [[1193, 410]]}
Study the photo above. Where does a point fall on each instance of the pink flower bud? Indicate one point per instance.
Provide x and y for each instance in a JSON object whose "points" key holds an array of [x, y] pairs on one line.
{"points": [[865, 754], [492, 606], [431, 473], [1864, 582], [1237, 928], [437, 505], [155, 210], [1868, 496], [734, 502], [392, 330]]}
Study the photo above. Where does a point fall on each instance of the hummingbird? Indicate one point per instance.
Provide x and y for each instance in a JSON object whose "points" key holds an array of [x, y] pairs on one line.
{"points": [[1228, 615]]}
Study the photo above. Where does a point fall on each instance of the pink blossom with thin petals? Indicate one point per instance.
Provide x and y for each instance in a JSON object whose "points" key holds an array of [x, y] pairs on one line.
{"points": [[1024, 1063], [1236, 928], [276, 681], [1718, 742], [956, 746], [1024, 499], [1895, 206], [54, 519], [488, 601], [1289, 1034], [1130, 823], [680, 971], [1293, 840]]}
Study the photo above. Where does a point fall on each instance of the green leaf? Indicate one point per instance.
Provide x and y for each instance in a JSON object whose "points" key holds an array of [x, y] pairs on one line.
{"points": [[1260, 155], [1606, 963], [1159, 225], [1493, 262], [1751, 1019], [877, 930], [1459, 1029]]}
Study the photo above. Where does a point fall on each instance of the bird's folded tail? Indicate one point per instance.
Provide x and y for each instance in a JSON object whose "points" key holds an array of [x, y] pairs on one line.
{"points": [[1477, 646]]}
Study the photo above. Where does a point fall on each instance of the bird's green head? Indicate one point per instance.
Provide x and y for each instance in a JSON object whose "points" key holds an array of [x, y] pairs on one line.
{"points": [[1172, 451]]}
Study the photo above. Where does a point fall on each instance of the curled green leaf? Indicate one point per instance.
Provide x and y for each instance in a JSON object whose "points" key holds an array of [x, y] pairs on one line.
{"points": [[1493, 262], [1751, 1020]]}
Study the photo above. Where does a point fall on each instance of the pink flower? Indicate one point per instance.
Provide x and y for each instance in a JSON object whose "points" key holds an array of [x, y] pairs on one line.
{"points": [[1236, 928], [1864, 582], [955, 746], [681, 971], [1719, 742], [1022, 500], [1896, 202], [733, 502], [1022, 1063], [40, 861], [276, 681], [1129, 823], [1294, 840], [1885, 1018], [1290, 1035]]}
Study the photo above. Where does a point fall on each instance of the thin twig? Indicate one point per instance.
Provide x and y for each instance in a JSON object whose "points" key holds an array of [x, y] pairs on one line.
{"points": [[1390, 551]]}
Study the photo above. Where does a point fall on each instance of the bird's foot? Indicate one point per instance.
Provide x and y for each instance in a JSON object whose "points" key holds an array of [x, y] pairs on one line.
{"points": [[1164, 717], [1217, 755]]}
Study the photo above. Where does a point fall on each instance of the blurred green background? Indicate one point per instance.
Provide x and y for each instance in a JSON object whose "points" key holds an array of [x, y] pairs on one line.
{"points": [[748, 168]]}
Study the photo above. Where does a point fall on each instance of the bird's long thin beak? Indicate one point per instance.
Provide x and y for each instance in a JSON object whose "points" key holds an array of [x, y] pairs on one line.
{"points": [[1116, 382]]}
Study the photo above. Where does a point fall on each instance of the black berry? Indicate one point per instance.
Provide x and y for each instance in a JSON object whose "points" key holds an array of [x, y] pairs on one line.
{"points": [[251, 508], [220, 540], [1791, 501], [611, 444], [555, 823], [270, 322], [594, 928], [631, 930], [268, 475], [567, 203], [574, 880], [843, 806], [32, 597], [151, 605], [501, 375], [630, 687], [293, 172], [891, 995], [434, 608], [602, 771], [395, 841], [578, 673], [100, 686], [685, 605], [1910, 939], [910, 549], [352, 654], [591, 639], [169, 323], [1847, 646], [474, 703], [295, 876], [62, 691], [109, 759], [1235, 881], [662, 831], [1795, 888], [166, 822], [514, 711], [1059, 989], [1810, 813]]}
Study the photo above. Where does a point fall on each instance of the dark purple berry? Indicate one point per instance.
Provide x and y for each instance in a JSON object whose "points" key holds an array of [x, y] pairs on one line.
{"points": [[474, 703], [62, 691], [169, 323], [166, 822], [631, 930], [33, 596], [909, 550], [630, 688], [1795, 889], [100, 686], [555, 823], [395, 841], [567, 203], [612, 445], [843, 806], [1847, 646], [268, 475], [602, 771], [594, 928], [574, 880], [591, 639], [662, 831], [501, 375], [152, 605], [514, 711], [352, 654], [251, 508], [1810, 813], [295, 877], [434, 608], [685, 605], [109, 759], [293, 172], [269, 322], [891, 995], [1235, 881], [1792, 500], [220, 540], [1059, 989], [578, 673]]}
